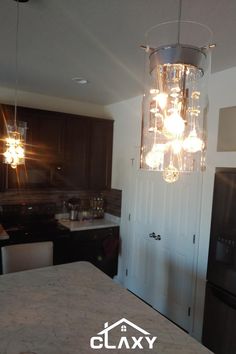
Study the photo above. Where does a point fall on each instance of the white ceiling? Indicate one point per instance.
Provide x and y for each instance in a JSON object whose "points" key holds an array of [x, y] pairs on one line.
{"points": [[99, 40]]}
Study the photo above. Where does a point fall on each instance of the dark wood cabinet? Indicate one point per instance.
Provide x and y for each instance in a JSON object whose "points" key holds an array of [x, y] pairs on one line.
{"points": [[44, 151], [62, 151], [77, 138], [101, 154], [98, 246]]}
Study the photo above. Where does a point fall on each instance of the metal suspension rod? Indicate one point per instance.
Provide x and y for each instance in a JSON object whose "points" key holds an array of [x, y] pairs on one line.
{"points": [[179, 20], [16, 65]]}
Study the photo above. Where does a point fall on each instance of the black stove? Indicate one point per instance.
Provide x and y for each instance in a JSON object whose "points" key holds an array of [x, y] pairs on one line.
{"points": [[31, 222]]}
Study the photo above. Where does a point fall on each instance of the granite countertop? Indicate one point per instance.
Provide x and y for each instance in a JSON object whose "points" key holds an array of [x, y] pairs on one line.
{"points": [[87, 225], [58, 309], [3, 234]]}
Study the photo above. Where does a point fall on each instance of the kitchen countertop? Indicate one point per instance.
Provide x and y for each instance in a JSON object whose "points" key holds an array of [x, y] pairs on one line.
{"points": [[58, 309], [87, 225]]}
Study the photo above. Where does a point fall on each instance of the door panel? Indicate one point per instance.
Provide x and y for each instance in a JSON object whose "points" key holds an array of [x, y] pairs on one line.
{"points": [[161, 270], [180, 223]]}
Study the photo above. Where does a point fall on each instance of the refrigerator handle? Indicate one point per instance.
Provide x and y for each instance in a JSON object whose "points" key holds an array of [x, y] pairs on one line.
{"points": [[227, 299]]}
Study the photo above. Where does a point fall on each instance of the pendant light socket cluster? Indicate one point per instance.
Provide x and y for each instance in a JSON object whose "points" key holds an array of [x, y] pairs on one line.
{"points": [[175, 103]]}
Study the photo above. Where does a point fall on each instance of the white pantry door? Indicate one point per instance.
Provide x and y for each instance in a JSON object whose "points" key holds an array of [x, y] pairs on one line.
{"points": [[160, 271]]}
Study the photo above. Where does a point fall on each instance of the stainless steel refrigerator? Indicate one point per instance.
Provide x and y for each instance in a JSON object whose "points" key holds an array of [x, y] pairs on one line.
{"points": [[219, 329]]}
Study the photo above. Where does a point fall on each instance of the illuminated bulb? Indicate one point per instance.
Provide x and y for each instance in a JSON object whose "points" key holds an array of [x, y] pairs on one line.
{"points": [[154, 91], [14, 165], [8, 156], [154, 158], [161, 99], [174, 124], [171, 173], [15, 153], [154, 110], [193, 143], [176, 146], [20, 152], [195, 95], [175, 92]]}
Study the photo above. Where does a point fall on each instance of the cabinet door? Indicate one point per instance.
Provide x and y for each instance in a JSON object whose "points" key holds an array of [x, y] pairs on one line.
{"points": [[100, 154], [49, 146], [98, 246], [76, 152]]}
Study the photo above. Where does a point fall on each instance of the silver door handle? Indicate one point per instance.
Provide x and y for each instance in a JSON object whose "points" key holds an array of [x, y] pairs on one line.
{"points": [[156, 237]]}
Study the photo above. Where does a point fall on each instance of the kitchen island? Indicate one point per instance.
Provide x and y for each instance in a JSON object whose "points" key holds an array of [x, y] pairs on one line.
{"points": [[63, 310]]}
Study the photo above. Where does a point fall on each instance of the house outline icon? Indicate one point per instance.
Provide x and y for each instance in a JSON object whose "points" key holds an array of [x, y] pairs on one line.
{"points": [[121, 321]]}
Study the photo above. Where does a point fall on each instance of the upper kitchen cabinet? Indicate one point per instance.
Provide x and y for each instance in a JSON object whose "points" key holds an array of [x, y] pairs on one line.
{"points": [[62, 151], [100, 154], [44, 150], [77, 139]]}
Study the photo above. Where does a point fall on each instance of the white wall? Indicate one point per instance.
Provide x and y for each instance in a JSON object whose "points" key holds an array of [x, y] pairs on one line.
{"points": [[127, 116], [126, 141], [35, 100]]}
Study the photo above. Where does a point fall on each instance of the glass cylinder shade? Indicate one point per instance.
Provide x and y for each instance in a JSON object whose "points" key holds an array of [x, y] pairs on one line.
{"points": [[174, 108], [14, 153]]}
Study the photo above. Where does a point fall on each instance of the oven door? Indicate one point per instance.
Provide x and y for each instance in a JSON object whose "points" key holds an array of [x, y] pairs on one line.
{"points": [[222, 251]]}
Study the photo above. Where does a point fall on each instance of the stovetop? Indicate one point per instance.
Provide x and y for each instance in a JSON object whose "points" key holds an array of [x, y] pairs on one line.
{"points": [[27, 222]]}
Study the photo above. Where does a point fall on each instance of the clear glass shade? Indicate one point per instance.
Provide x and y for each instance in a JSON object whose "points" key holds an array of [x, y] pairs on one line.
{"points": [[174, 109], [14, 153]]}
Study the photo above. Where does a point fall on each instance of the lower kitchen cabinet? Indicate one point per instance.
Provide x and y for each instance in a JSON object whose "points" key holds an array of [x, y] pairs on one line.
{"points": [[62, 249], [98, 246]]}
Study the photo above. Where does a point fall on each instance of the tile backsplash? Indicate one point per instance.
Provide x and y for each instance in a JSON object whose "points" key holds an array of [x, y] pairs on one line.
{"points": [[112, 198]]}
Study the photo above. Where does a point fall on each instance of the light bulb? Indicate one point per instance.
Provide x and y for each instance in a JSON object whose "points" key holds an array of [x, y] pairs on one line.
{"points": [[174, 124], [161, 99], [20, 152], [8, 156], [193, 143], [170, 173], [153, 91], [15, 153], [155, 157]]}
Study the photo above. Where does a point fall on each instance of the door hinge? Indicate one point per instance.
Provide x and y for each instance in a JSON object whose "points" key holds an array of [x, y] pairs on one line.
{"points": [[194, 239], [126, 272], [132, 161], [189, 311], [129, 217]]}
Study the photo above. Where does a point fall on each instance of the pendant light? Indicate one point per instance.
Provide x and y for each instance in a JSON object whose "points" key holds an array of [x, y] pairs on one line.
{"points": [[175, 100], [14, 154]]}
